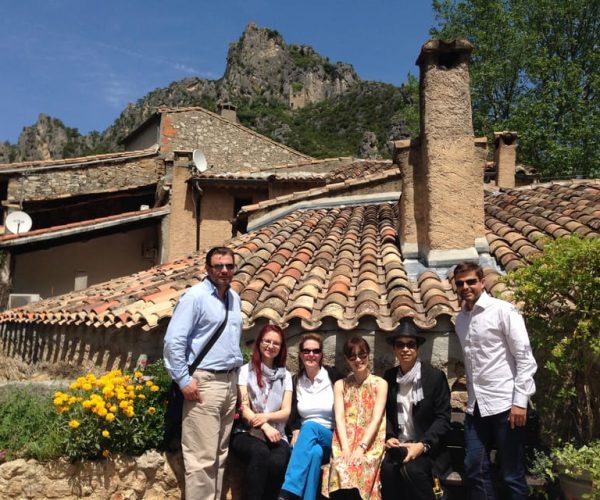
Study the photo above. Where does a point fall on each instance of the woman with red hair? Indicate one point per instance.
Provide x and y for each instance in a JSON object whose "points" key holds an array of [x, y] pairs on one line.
{"points": [[265, 392]]}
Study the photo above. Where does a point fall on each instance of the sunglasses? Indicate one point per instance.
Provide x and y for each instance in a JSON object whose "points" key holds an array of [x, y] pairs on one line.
{"points": [[306, 352], [470, 282], [357, 355], [229, 267], [402, 345]]}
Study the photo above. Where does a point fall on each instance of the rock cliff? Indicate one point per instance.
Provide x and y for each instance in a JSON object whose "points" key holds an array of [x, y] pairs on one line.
{"points": [[279, 90]]}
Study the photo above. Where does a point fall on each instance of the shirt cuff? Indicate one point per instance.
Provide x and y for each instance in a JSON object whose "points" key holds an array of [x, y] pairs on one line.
{"points": [[184, 381], [520, 400]]}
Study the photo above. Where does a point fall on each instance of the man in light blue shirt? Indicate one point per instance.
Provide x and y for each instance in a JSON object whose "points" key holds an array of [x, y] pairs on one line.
{"points": [[211, 391]]}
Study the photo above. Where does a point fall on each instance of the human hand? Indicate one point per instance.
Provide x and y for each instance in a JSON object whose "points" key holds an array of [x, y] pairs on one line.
{"points": [[191, 391], [413, 450], [357, 454], [272, 434], [294, 437], [517, 416], [392, 443], [258, 420]]}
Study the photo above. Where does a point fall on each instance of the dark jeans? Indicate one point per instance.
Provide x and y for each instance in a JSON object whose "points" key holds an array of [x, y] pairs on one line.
{"points": [[265, 465], [483, 433], [410, 481]]}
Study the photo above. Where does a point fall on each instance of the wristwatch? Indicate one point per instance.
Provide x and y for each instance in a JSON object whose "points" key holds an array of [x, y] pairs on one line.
{"points": [[426, 448], [363, 446]]}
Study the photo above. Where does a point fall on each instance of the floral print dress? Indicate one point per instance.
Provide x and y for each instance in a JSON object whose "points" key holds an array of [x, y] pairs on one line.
{"points": [[359, 403]]}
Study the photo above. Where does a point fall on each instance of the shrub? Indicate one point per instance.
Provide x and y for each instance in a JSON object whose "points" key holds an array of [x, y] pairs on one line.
{"points": [[115, 413], [560, 297]]}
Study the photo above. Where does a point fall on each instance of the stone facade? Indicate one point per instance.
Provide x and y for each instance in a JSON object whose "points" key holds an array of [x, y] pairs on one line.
{"points": [[227, 146], [86, 178]]}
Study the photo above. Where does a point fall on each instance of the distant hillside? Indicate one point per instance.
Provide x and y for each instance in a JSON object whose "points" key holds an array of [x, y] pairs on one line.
{"points": [[287, 92]]}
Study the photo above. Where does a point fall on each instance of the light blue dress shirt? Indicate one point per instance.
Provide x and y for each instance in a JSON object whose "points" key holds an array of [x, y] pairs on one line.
{"points": [[197, 315]]}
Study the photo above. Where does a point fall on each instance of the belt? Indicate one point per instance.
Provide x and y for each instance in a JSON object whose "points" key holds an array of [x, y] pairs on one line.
{"points": [[219, 372]]}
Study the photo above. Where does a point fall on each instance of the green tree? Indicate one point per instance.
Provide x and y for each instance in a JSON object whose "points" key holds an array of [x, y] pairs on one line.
{"points": [[535, 69], [560, 297]]}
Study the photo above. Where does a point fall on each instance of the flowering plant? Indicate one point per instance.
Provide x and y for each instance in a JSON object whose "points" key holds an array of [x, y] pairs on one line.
{"points": [[116, 412]]}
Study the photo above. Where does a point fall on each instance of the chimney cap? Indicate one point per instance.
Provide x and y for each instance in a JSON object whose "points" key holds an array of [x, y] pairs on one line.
{"points": [[435, 46], [506, 137]]}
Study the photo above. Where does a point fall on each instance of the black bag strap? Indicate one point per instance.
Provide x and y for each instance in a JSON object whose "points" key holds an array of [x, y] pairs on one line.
{"points": [[213, 339]]}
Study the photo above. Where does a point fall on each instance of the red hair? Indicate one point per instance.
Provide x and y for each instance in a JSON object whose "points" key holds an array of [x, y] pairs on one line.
{"points": [[256, 359]]}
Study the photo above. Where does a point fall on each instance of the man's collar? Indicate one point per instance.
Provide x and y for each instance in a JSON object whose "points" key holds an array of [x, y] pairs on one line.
{"points": [[483, 301]]}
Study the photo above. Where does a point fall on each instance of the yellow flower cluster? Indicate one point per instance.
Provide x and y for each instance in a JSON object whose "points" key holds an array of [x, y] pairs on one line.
{"points": [[109, 394]]}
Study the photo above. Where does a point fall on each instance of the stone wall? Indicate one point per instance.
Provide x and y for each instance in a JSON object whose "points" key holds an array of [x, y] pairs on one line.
{"points": [[84, 179], [227, 146], [123, 478], [58, 349]]}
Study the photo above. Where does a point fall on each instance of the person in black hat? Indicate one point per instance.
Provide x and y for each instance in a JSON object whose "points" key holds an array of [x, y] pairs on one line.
{"points": [[418, 418]]}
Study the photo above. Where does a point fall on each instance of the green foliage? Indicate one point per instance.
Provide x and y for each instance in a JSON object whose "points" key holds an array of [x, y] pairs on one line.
{"points": [[560, 297], [579, 462], [28, 424], [535, 69], [297, 86]]}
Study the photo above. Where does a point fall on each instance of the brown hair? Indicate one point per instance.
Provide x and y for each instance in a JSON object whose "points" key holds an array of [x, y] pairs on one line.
{"points": [[218, 251], [353, 342], [309, 336], [468, 267], [256, 359]]}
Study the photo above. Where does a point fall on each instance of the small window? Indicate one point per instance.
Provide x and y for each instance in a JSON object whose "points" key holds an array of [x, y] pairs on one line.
{"points": [[238, 203]]}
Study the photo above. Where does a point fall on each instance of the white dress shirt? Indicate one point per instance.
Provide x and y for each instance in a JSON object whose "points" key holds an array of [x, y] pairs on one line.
{"points": [[315, 399], [497, 354]]}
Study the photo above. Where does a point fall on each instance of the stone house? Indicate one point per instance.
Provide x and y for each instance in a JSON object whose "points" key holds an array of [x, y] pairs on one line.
{"points": [[354, 256], [99, 217]]}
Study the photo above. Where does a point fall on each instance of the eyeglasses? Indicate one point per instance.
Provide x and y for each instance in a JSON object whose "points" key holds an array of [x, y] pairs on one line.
{"points": [[402, 345], [470, 282], [229, 267], [270, 343], [306, 352], [357, 355]]}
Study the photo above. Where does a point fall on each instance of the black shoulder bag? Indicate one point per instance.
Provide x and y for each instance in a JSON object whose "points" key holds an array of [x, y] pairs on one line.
{"points": [[174, 410]]}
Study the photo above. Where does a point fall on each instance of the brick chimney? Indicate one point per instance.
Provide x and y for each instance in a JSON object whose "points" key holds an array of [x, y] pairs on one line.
{"points": [[505, 157], [228, 111], [447, 183]]}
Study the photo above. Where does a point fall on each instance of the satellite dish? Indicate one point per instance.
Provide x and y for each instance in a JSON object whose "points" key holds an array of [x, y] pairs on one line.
{"points": [[18, 222], [199, 161]]}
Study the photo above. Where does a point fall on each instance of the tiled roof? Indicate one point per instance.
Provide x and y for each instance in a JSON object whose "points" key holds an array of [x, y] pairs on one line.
{"points": [[331, 170], [343, 183], [79, 161], [518, 220], [79, 227], [339, 263]]}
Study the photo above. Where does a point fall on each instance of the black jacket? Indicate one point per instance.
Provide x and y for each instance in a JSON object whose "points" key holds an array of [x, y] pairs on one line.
{"points": [[295, 420], [431, 415]]}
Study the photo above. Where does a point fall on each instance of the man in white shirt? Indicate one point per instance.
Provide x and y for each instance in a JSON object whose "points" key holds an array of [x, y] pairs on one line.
{"points": [[500, 369]]}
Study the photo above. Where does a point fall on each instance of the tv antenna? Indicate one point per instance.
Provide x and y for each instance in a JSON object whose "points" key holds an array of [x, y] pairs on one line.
{"points": [[18, 222], [199, 163]]}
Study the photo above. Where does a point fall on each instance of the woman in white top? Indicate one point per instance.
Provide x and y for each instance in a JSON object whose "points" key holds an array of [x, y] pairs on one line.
{"points": [[312, 420], [265, 392]]}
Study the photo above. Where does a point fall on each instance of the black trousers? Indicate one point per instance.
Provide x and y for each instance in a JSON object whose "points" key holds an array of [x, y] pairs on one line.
{"points": [[410, 481], [265, 465]]}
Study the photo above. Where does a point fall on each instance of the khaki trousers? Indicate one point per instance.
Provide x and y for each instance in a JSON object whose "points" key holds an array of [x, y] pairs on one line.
{"points": [[206, 428]]}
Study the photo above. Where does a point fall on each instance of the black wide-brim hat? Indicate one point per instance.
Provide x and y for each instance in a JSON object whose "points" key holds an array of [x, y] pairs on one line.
{"points": [[406, 329]]}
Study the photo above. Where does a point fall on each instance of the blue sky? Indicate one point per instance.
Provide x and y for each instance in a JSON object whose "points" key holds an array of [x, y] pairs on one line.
{"points": [[83, 61]]}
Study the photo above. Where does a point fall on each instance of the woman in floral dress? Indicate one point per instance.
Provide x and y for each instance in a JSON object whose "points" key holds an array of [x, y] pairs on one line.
{"points": [[359, 439]]}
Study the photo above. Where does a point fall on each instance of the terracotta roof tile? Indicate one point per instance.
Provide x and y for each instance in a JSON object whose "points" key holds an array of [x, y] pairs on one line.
{"points": [[341, 263]]}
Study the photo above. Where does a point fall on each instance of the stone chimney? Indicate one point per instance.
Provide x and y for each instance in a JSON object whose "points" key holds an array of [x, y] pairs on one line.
{"points": [[505, 157], [228, 111], [447, 182]]}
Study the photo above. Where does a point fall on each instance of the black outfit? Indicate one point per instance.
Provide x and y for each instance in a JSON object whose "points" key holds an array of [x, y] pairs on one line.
{"points": [[295, 420], [266, 463], [431, 420]]}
